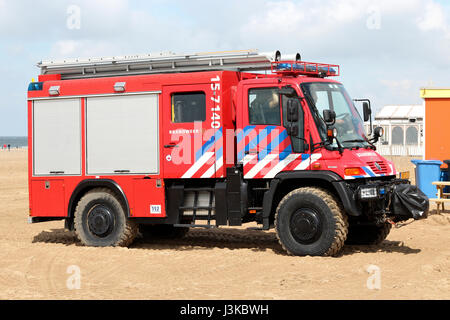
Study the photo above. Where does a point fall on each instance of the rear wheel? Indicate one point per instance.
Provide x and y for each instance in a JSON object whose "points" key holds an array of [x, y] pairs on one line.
{"points": [[368, 235], [100, 220], [310, 221]]}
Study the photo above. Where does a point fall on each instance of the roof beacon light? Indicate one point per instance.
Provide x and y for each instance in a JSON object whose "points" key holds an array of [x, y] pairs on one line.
{"points": [[119, 86], [305, 68], [54, 91]]}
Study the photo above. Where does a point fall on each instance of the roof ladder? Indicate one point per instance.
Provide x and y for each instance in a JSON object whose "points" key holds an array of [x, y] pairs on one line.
{"points": [[241, 60]]}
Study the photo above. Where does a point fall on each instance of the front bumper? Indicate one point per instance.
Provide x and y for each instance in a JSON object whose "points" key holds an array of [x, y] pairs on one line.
{"points": [[383, 199]]}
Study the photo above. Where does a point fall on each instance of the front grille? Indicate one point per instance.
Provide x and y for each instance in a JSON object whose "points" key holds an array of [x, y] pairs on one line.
{"points": [[375, 169]]}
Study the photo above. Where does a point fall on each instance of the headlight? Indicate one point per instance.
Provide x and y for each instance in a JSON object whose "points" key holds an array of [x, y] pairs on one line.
{"points": [[367, 193]]}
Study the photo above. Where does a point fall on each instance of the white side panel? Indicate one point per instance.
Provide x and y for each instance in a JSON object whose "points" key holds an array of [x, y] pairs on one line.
{"points": [[57, 137], [122, 134]]}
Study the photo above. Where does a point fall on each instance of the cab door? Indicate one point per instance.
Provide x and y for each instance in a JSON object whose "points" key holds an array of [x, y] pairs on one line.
{"points": [[264, 147], [188, 141]]}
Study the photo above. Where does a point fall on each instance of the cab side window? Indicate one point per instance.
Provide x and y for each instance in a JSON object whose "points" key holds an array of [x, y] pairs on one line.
{"points": [[188, 107], [264, 106]]}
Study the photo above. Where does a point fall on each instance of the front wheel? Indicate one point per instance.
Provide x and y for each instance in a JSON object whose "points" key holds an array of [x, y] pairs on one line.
{"points": [[367, 235], [310, 221], [100, 220]]}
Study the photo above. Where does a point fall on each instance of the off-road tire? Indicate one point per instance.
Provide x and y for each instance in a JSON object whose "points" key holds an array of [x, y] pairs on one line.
{"points": [[163, 231], [121, 231], [332, 226], [367, 235]]}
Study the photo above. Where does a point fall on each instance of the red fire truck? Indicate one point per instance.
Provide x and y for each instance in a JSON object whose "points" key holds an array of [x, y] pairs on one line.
{"points": [[163, 142]]}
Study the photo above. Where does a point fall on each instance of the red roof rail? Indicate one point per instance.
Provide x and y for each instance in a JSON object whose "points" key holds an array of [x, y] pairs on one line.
{"points": [[49, 77]]}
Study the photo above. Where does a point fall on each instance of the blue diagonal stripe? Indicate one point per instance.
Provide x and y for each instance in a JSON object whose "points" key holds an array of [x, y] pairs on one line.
{"points": [[369, 172], [244, 133], [276, 141], [254, 142], [263, 133], [208, 144], [219, 153], [305, 156], [285, 152]]}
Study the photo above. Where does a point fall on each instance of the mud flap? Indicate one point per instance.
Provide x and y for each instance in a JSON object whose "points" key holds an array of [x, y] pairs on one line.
{"points": [[409, 201]]}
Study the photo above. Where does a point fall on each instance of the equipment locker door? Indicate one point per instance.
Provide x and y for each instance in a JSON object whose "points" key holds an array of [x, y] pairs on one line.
{"points": [[122, 135], [191, 129]]}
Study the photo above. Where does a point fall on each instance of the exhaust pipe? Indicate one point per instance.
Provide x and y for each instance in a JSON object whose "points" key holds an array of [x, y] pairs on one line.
{"points": [[293, 57], [273, 56], [276, 56]]}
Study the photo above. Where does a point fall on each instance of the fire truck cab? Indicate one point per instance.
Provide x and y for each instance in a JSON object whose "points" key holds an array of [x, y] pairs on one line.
{"points": [[162, 143]]}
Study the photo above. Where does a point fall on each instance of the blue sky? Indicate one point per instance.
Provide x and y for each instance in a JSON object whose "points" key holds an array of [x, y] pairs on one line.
{"points": [[387, 50]]}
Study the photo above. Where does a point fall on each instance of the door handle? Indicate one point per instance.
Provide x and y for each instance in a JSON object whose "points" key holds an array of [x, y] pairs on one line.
{"points": [[171, 146]]}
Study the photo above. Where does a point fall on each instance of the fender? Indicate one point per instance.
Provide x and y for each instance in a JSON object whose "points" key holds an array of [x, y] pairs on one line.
{"points": [[330, 177], [95, 183]]}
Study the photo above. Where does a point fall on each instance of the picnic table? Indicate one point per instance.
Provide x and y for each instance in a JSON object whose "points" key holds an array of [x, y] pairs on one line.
{"points": [[442, 197]]}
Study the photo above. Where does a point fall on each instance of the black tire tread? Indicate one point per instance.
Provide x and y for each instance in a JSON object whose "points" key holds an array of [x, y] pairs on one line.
{"points": [[368, 235], [163, 231], [131, 228], [338, 214]]}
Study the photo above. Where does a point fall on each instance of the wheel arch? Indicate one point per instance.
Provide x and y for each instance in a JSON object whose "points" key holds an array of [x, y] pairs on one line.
{"points": [[86, 185], [286, 182]]}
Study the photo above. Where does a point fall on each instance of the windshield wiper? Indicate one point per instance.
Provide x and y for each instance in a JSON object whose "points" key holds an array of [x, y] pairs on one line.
{"points": [[340, 148], [360, 140], [356, 140]]}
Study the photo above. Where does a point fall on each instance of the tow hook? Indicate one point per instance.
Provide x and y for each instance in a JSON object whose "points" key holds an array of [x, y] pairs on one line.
{"points": [[391, 222], [397, 225]]}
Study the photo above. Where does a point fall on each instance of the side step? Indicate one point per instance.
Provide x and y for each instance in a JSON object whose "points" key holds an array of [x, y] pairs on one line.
{"points": [[196, 202]]}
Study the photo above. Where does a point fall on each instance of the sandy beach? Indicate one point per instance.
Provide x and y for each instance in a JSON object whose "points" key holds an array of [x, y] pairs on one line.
{"points": [[36, 260]]}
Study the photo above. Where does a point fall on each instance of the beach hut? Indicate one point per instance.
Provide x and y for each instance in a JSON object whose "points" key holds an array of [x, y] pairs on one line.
{"points": [[437, 115], [403, 130]]}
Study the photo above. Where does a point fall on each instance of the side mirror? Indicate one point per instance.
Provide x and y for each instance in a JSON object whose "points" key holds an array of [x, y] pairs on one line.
{"points": [[378, 132], [292, 110], [329, 116], [367, 111], [292, 130], [287, 91]]}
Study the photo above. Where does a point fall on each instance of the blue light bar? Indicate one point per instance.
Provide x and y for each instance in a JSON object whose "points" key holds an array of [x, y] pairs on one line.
{"points": [[305, 68], [35, 86]]}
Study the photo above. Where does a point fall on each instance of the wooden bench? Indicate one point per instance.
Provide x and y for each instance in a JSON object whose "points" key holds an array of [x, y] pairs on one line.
{"points": [[441, 196]]}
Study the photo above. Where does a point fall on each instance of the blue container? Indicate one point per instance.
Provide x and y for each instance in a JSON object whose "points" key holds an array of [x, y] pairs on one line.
{"points": [[427, 171]]}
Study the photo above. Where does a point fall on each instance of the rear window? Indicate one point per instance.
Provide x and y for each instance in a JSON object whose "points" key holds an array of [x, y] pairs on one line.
{"points": [[188, 107]]}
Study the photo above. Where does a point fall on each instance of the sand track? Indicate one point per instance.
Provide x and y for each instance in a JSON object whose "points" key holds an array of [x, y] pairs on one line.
{"points": [[225, 263], [232, 239]]}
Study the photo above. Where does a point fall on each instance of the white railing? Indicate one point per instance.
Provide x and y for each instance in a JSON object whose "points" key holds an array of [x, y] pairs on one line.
{"points": [[399, 150]]}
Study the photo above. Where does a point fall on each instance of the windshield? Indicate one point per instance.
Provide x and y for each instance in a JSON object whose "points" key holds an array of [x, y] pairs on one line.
{"points": [[333, 96]]}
